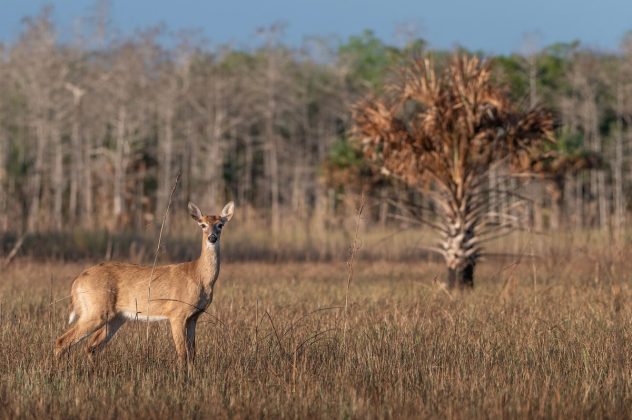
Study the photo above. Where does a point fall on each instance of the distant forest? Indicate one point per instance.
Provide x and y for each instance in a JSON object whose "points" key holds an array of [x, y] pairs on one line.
{"points": [[94, 130]]}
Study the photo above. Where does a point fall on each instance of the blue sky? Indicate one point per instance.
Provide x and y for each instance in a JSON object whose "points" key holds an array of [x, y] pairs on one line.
{"points": [[494, 26]]}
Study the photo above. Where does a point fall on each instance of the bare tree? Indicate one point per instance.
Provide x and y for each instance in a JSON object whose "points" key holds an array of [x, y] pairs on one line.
{"points": [[93, 130], [37, 70]]}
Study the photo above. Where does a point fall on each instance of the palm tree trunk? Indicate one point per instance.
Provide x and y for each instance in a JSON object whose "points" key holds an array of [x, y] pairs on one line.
{"points": [[462, 278], [460, 253]]}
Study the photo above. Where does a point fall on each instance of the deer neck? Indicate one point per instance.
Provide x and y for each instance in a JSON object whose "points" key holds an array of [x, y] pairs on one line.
{"points": [[207, 266]]}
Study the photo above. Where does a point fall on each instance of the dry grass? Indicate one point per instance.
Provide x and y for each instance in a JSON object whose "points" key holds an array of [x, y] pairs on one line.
{"points": [[554, 345]]}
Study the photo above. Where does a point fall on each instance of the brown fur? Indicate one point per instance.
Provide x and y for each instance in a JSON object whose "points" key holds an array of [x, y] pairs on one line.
{"points": [[105, 296]]}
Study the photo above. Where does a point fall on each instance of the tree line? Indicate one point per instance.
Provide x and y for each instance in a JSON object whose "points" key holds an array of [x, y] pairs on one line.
{"points": [[93, 131]]}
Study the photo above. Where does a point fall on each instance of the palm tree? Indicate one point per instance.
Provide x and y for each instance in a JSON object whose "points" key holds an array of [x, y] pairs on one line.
{"points": [[442, 133]]}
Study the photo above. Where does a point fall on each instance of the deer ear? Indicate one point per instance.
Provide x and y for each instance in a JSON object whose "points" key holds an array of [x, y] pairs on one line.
{"points": [[195, 212], [227, 211]]}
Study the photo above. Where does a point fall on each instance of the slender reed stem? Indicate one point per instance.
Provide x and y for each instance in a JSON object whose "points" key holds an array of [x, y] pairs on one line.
{"points": [[153, 266]]}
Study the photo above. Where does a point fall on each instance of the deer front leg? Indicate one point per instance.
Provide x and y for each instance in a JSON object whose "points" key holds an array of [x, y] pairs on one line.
{"points": [[178, 330], [190, 325]]}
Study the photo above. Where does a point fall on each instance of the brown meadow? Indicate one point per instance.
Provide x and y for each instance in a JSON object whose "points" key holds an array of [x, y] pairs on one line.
{"points": [[546, 338]]}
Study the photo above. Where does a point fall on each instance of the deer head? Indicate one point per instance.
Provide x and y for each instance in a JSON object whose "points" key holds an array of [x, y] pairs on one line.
{"points": [[212, 225]]}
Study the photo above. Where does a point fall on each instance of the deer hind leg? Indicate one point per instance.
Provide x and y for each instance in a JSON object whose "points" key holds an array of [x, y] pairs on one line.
{"points": [[64, 342], [103, 335], [77, 333]]}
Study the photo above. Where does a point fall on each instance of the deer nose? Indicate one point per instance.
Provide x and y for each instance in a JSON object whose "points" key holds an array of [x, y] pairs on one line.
{"points": [[212, 238]]}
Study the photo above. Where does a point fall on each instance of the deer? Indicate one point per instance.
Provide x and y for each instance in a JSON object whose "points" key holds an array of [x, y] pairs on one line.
{"points": [[105, 296]]}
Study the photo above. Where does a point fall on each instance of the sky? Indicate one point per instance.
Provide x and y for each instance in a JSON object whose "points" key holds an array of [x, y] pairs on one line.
{"points": [[492, 26]]}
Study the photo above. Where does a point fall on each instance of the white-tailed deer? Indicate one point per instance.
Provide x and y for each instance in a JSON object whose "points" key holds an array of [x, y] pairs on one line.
{"points": [[106, 295]]}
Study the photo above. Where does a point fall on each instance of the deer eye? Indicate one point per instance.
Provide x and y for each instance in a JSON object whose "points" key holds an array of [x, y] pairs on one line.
{"points": [[203, 225], [221, 225]]}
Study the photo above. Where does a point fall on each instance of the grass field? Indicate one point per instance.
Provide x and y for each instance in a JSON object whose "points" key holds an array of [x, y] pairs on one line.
{"points": [[536, 338]]}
